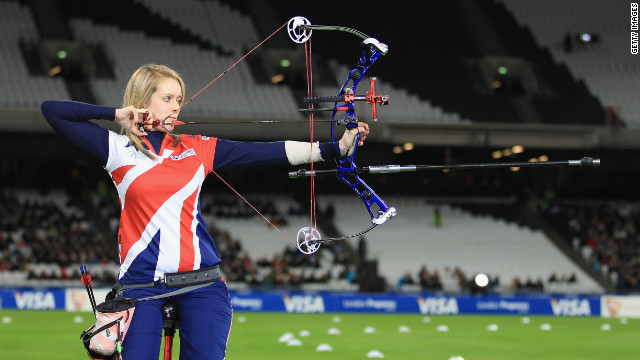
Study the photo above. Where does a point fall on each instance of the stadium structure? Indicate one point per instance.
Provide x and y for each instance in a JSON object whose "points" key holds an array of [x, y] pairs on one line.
{"points": [[469, 82]]}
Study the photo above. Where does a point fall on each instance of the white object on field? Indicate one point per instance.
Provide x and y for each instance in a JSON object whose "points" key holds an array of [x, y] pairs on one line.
{"points": [[294, 342], [324, 347], [375, 354], [286, 337]]}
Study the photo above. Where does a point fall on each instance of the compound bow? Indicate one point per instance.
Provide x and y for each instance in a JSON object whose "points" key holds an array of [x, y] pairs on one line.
{"points": [[300, 30]]}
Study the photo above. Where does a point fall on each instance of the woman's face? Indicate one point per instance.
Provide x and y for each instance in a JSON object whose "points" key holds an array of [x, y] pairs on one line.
{"points": [[164, 104]]}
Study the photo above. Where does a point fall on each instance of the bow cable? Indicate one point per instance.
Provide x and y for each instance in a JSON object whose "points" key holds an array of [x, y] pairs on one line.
{"points": [[312, 190], [300, 31], [233, 65], [210, 168]]}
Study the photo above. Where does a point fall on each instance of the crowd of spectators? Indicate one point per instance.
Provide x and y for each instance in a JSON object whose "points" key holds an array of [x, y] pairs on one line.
{"points": [[433, 281], [426, 279], [40, 232], [33, 230], [606, 235], [289, 268], [227, 207]]}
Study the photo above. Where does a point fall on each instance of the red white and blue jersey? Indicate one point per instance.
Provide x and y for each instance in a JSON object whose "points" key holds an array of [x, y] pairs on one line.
{"points": [[161, 225]]}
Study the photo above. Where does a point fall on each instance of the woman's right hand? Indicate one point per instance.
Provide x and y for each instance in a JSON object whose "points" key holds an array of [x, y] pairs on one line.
{"points": [[130, 118]]}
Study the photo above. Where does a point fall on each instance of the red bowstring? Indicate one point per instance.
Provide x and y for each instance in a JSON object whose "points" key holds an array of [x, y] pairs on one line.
{"points": [[248, 203], [312, 197], [210, 168], [232, 66], [231, 187]]}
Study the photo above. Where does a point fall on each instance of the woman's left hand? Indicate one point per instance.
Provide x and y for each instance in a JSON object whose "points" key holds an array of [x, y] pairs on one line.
{"points": [[347, 143]]}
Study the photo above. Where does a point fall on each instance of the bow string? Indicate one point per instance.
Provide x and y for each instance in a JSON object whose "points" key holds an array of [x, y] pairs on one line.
{"points": [[300, 30], [343, 112]]}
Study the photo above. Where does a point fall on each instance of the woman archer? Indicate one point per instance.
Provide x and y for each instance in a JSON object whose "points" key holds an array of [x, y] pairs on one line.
{"points": [[159, 176]]}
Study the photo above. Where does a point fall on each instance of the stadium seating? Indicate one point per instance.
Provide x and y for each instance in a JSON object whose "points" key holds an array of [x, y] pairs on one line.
{"points": [[612, 79], [210, 20], [20, 90], [604, 64], [460, 247], [238, 96], [466, 242], [407, 108], [474, 244]]}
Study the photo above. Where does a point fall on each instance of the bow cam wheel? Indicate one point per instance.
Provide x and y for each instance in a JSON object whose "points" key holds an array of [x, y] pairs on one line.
{"points": [[308, 240], [297, 31]]}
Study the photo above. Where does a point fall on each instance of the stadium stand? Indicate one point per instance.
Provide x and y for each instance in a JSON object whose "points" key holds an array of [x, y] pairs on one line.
{"points": [[476, 244], [191, 60], [263, 101], [604, 234], [455, 249], [413, 110], [44, 235], [210, 20], [25, 91], [558, 25]]}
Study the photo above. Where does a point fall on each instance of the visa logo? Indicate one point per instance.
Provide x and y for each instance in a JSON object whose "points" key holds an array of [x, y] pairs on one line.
{"points": [[35, 300], [304, 304], [571, 307], [438, 305]]}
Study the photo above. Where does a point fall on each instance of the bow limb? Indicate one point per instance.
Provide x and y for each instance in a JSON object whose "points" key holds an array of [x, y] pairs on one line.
{"points": [[346, 167], [300, 30]]}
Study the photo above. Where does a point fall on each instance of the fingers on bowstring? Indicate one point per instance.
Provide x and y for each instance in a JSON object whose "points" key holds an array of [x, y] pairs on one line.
{"points": [[145, 120], [140, 117]]}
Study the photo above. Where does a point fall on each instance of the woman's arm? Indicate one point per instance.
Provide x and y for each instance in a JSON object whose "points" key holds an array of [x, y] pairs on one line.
{"points": [[242, 155], [233, 155], [70, 119]]}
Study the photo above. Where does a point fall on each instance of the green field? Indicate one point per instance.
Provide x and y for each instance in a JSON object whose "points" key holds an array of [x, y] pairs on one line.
{"points": [[55, 335]]}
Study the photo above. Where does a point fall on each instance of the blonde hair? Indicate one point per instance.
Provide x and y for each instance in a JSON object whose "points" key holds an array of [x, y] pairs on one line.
{"points": [[141, 86]]}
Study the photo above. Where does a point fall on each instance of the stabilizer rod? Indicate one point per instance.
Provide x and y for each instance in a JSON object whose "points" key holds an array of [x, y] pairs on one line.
{"points": [[389, 169]]}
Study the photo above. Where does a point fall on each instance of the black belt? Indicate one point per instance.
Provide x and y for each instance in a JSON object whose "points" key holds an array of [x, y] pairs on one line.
{"points": [[179, 279], [194, 277]]}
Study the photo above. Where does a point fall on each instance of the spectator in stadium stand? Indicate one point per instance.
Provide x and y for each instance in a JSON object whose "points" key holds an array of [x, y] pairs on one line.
{"points": [[158, 175], [606, 235]]}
